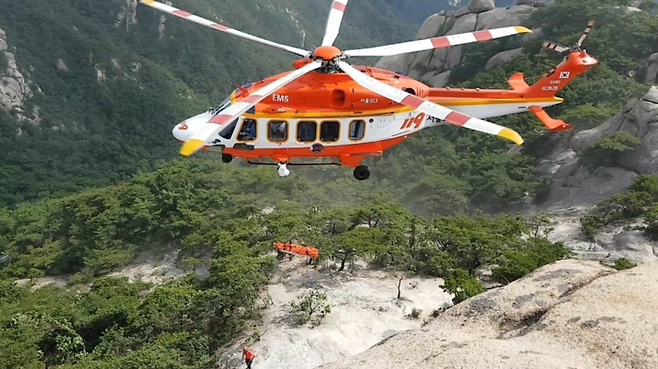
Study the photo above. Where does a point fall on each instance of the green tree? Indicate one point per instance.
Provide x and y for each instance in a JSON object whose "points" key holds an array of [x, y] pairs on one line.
{"points": [[462, 285]]}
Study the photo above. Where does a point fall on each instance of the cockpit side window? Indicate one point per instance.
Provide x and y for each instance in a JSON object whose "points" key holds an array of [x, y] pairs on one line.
{"points": [[248, 130], [227, 132]]}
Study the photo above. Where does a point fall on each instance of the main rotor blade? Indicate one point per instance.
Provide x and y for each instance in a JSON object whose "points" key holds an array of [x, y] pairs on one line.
{"points": [[428, 107], [216, 123], [333, 22], [554, 46], [590, 24], [220, 27], [438, 42]]}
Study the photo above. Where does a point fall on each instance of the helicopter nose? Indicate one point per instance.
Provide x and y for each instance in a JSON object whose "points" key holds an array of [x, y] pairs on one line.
{"points": [[182, 131]]}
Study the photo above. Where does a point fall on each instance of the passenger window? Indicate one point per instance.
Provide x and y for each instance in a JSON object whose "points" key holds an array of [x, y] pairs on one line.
{"points": [[357, 129], [278, 130], [307, 131], [248, 130], [329, 131]]}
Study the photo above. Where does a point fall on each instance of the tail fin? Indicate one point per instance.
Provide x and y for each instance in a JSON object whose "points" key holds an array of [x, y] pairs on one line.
{"points": [[576, 62], [551, 83]]}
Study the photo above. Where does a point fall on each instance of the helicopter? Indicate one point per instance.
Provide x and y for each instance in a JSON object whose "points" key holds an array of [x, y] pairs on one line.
{"points": [[329, 109]]}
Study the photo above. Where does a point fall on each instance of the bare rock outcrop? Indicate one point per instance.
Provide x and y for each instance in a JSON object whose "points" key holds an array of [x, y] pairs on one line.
{"points": [[575, 189], [623, 240], [433, 66], [651, 69], [14, 89], [502, 58], [573, 185], [127, 16], [570, 314]]}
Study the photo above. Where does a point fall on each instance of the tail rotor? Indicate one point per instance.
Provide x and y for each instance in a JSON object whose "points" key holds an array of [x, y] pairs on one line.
{"points": [[577, 47]]}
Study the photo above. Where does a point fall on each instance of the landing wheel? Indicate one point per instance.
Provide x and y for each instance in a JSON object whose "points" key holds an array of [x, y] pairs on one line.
{"points": [[361, 172], [226, 158]]}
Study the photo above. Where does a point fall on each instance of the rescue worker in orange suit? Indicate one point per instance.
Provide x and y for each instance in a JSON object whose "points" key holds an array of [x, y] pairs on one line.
{"points": [[248, 356]]}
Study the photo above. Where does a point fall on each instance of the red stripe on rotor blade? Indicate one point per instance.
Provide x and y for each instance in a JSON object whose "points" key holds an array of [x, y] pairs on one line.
{"points": [[220, 119], [182, 13], [338, 6], [457, 118], [440, 42], [412, 101], [483, 35], [219, 26]]}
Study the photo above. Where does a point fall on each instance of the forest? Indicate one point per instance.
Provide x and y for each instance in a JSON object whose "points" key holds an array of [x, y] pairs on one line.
{"points": [[88, 198], [213, 211]]}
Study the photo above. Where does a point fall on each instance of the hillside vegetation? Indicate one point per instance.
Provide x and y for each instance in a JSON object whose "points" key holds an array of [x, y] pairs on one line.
{"points": [[418, 212], [97, 130], [211, 209]]}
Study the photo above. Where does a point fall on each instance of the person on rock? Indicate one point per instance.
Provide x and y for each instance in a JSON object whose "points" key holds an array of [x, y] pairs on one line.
{"points": [[248, 356]]}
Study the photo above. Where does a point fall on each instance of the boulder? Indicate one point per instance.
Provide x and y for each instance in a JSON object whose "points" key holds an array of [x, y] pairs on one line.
{"points": [[427, 65], [502, 58], [427, 30], [570, 314], [440, 79], [479, 6]]}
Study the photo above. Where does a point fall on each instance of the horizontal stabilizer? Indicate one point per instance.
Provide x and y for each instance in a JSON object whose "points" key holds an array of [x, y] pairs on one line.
{"points": [[553, 125]]}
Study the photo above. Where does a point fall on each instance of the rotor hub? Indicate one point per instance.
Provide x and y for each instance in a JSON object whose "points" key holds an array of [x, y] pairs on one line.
{"points": [[327, 53]]}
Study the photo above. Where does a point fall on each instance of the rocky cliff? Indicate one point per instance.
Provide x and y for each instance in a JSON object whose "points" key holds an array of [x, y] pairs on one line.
{"points": [[574, 185], [575, 188], [433, 66], [570, 314], [14, 89]]}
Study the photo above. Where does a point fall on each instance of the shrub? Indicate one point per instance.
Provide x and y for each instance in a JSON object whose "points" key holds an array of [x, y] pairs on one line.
{"points": [[308, 304], [607, 150]]}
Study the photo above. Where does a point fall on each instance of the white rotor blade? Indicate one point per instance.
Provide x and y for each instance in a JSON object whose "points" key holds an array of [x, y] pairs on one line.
{"points": [[437, 42], [216, 123], [429, 107], [590, 24], [333, 22], [220, 27], [556, 47]]}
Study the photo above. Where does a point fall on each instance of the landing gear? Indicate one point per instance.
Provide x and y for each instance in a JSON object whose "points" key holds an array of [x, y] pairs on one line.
{"points": [[361, 172], [226, 158], [282, 169]]}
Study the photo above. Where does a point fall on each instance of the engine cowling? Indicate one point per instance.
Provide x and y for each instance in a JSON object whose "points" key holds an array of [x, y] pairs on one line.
{"points": [[301, 62]]}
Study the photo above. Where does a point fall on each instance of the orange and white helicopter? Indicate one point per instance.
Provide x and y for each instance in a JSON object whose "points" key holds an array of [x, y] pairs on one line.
{"points": [[327, 108]]}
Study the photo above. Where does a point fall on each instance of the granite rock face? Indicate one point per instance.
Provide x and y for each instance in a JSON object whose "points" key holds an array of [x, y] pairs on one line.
{"points": [[433, 66], [569, 314]]}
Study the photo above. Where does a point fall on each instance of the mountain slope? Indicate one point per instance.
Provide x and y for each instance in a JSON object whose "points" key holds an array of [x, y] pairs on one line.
{"points": [[110, 79]]}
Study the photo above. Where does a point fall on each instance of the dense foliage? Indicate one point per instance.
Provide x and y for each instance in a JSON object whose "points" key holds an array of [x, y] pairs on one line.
{"points": [[210, 210], [108, 114], [418, 212]]}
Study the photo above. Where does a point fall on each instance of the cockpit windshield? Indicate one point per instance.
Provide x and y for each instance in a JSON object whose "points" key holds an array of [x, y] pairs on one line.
{"points": [[229, 129], [223, 105]]}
